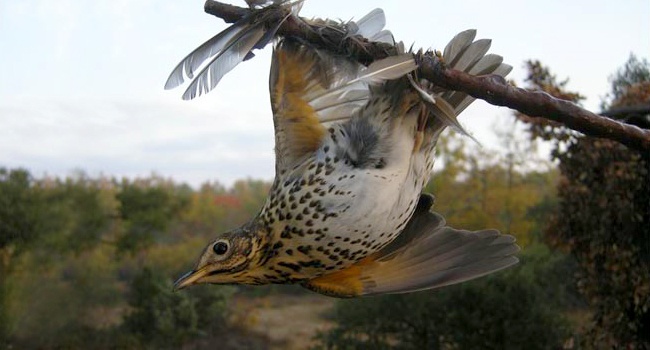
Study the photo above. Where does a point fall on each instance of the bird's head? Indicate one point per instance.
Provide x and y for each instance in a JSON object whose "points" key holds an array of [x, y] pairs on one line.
{"points": [[224, 260]]}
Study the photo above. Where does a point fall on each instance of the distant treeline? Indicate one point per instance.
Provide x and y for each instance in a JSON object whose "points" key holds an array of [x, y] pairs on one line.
{"points": [[92, 259], [88, 262]]}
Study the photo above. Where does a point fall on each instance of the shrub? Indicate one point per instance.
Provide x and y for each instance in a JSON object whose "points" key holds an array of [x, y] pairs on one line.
{"points": [[515, 309]]}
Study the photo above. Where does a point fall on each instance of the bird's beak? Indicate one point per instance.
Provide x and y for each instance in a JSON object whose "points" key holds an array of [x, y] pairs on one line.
{"points": [[190, 278]]}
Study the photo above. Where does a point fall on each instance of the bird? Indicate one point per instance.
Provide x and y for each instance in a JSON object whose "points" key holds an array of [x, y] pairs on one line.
{"points": [[354, 146]]}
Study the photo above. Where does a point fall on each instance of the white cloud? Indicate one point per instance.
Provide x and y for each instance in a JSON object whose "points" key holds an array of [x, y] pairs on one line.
{"points": [[132, 138], [82, 81]]}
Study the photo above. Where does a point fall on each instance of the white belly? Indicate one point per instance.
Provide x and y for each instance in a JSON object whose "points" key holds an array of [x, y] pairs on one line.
{"points": [[336, 214]]}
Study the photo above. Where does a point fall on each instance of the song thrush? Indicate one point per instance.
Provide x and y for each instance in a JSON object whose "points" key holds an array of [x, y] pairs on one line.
{"points": [[354, 147]]}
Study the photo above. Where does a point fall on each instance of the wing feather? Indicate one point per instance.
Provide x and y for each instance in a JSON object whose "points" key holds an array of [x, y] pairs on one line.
{"points": [[221, 53], [233, 53], [196, 58], [427, 254], [389, 68], [312, 88]]}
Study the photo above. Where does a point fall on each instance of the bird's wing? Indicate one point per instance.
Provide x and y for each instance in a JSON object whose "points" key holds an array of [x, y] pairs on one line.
{"points": [[223, 52], [311, 89], [208, 63], [427, 254]]}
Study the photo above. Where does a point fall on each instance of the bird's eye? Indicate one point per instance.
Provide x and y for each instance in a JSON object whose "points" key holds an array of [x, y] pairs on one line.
{"points": [[220, 248]]}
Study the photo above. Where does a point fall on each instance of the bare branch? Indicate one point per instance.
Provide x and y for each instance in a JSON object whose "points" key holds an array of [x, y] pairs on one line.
{"points": [[495, 90], [492, 89]]}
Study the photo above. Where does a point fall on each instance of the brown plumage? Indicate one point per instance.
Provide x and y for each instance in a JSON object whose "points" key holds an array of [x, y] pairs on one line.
{"points": [[345, 215]]}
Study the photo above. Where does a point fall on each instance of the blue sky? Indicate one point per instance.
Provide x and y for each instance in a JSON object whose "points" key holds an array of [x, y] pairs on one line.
{"points": [[81, 81]]}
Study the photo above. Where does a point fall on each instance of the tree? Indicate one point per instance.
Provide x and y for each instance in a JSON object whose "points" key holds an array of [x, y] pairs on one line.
{"points": [[147, 208], [629, 85], [58, 244], [78, 212], [163, 318], [45, 225], [18, 229], [603, 217]]}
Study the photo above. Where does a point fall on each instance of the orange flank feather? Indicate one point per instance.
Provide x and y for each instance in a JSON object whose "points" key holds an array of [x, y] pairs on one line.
{"points": [[294, 118], [344, 283]]}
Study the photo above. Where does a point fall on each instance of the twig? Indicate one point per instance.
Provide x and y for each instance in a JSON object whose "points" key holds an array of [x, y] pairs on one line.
{"points": [[490, 88]]}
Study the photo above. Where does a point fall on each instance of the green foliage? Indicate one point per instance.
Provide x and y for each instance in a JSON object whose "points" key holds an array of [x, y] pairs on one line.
{"points": [[65, 281], [75, 216], [214, 208], [146, 210], [51, 303], [252, 194], [162, 318], [515, 309], [17, 209], [18, 229]]}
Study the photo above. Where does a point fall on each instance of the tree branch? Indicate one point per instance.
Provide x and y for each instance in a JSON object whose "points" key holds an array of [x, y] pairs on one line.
{"points": [[495, 90], [491, 88]]}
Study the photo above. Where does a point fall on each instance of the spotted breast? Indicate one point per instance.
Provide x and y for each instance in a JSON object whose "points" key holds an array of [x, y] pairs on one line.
{"points": [[354, 147]]}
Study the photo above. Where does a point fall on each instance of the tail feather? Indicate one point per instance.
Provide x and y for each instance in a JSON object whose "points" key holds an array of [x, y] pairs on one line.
{"points": [[384, 36], [465, 54], [489, 64], [370, 24], [486, 65], [462, 53], [472, 54], [457, 46], [371, 27]]}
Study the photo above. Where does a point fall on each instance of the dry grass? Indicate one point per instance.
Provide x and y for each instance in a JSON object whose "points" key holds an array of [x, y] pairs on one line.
{"points": [[287, 321]]}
